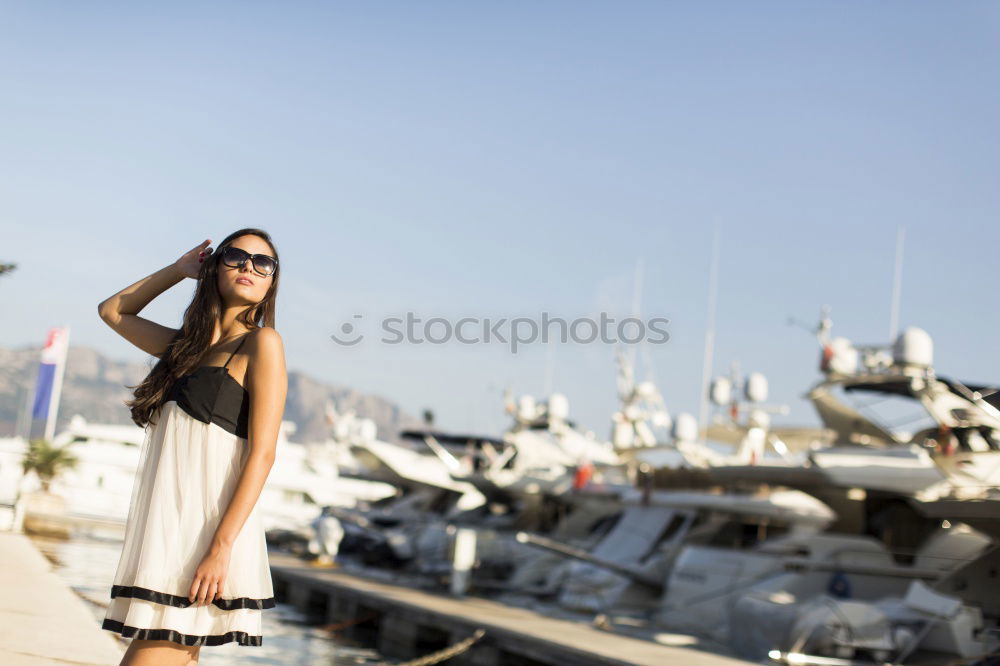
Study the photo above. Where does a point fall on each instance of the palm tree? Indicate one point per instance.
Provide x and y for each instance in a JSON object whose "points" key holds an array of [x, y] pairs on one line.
{"points": [[47, 460]]}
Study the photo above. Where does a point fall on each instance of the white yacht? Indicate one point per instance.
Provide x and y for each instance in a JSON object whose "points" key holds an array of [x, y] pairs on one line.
{"points": [[99, 487]]}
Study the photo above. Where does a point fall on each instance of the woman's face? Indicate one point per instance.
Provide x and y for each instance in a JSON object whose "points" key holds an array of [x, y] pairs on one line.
{"points": [[244, 284]]}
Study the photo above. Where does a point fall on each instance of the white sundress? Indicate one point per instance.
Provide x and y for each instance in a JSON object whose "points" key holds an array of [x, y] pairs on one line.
{"points": [[189, 466]]}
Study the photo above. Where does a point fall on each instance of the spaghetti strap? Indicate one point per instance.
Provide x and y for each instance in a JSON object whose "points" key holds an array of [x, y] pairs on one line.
{"points": [[244, 339]]}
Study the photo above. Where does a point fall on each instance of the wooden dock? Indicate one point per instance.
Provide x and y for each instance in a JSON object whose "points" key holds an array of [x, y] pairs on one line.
{"points": [[406, 623]]}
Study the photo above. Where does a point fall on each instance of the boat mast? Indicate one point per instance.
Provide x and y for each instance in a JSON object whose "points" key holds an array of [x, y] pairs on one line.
{"points": [[706, 367], [897, 280]]}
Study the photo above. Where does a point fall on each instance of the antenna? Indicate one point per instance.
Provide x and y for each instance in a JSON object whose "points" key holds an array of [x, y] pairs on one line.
{"points": [[897, 286], [643, 346], [636, 300], [706, 367], [549, 367]]}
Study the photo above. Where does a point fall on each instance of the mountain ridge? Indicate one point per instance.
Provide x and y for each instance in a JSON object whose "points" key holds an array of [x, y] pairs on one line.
{"points": [[96, 387]]}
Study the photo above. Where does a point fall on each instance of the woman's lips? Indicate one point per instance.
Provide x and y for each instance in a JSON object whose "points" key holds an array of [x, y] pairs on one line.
{"points": [[244, 281]]}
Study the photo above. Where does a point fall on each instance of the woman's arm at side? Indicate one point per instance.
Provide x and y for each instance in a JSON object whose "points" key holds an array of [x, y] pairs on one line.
{"points": [[121, 311], [267, 382]]}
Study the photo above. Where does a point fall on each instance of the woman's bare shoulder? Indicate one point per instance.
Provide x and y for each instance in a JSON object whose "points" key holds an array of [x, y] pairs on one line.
{"points": [[265, 341]]}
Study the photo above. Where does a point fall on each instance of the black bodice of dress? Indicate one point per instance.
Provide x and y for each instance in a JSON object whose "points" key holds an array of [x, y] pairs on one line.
{"points": [[212, 395]]}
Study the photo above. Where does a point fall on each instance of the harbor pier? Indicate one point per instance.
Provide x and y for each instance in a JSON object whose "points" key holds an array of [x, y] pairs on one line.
{"points": [[42, 620], [407, 623]]}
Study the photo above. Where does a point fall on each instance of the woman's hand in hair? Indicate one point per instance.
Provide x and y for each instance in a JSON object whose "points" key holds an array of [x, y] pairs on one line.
{"points": [[190, 262]]}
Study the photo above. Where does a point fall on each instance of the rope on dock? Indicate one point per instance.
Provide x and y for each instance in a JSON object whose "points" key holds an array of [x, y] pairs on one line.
{"points": [[448, 652], [337, 626]]}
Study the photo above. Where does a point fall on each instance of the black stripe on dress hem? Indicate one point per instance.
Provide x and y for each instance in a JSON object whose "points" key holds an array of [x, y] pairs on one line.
{"points": [[241, 637], [183, 602]]}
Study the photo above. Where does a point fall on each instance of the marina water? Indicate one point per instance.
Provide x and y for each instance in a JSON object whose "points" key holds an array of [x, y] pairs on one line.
{"points": [[86, 563]]}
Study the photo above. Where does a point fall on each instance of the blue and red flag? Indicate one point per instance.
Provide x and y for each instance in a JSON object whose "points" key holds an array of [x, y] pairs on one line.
{"points": [[53, 355]]}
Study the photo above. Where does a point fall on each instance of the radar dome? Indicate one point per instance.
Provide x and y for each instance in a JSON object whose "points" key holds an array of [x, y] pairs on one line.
{"points": [[914, 348], [721, 391], [840, 357], [755, 388], [685, 427], [526, 407], [558, 406]]}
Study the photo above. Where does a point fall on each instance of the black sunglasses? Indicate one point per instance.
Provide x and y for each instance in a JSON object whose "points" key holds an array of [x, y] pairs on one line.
{"points": [[234, 257]]}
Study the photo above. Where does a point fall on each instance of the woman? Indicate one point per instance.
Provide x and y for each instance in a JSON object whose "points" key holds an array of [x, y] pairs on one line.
{"points": [[194, 568]]}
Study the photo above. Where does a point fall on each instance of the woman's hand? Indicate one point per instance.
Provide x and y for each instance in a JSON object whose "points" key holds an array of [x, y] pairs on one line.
{"points": [[210, 576], [190, 262]]}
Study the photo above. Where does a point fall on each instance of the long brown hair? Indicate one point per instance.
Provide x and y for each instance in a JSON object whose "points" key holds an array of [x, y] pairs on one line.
{"points": [[194, 337]]}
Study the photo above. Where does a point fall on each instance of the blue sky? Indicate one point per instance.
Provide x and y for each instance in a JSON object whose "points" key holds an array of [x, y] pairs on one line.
{"points": [[474, 159]]}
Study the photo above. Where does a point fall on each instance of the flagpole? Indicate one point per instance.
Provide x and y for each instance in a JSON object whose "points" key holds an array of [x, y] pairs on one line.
{"points": [[24, 415]]}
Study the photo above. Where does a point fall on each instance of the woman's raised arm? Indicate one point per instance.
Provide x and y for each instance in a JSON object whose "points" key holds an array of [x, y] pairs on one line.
{"points": [[121, 311]]}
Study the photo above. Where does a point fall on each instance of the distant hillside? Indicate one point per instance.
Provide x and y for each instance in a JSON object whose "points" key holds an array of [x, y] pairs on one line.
{"points": [[95, 387]]}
